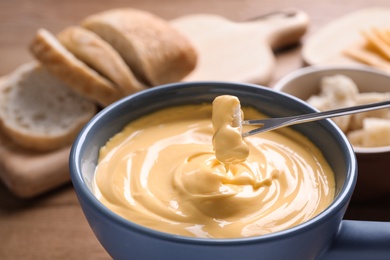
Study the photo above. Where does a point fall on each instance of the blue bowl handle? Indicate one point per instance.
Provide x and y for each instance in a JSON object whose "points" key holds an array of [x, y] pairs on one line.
{"points": [[360, 240]]}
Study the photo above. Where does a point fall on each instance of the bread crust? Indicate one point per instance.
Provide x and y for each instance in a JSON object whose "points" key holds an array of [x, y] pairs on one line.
{"points": [[31, 98], [99, 55], [151, 47], [64, 65]]}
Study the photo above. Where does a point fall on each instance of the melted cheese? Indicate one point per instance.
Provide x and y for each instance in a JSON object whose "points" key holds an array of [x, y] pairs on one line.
{"points": [[161, 172]]}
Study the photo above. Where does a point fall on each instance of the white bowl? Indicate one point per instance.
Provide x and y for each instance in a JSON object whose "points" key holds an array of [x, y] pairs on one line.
{"points": [[374, 175]]}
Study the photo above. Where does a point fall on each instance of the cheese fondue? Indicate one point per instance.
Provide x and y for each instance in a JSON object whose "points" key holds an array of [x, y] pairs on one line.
{"points": [[161, 172], [227, 141]]}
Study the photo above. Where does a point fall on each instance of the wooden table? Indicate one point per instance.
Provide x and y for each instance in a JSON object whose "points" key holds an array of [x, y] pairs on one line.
{"points": [[52, 226]]}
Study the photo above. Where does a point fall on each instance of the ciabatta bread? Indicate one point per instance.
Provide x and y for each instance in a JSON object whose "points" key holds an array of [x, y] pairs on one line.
{"points": [[154, 50], [99, 55], [39, 111], [76, 74]]}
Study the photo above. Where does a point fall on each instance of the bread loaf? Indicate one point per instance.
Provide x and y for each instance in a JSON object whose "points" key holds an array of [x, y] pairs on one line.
{"points": [[39, 111], [154, 50], [76, 74], [44, 104], [99, 55]]}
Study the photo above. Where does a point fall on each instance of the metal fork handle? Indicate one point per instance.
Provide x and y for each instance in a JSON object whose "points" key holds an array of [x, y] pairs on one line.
{"points": [[275, 123]]}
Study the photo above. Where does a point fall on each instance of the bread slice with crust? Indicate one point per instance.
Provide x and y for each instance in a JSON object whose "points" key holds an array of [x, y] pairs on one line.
{"points": [[39, 111], [99, 55], [154, 50], [76, 74]]}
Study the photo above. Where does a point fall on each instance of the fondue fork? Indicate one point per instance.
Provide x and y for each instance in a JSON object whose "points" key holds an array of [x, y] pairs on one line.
{"points": [[275, 123]]}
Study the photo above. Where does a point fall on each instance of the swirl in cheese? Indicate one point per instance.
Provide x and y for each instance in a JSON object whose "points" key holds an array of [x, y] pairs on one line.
{"points": [[161, 172]]}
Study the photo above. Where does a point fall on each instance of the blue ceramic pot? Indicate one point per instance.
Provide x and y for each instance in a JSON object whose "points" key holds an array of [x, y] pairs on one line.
{"points": [[324, 236]]}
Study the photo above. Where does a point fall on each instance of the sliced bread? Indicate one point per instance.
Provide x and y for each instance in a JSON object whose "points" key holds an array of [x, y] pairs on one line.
{"points": [[39, 111], [99, 55], [154, 50], [76, 74]]}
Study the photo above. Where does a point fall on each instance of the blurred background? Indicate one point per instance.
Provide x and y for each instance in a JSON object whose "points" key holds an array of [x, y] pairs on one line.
{"points": [[19, 19]]}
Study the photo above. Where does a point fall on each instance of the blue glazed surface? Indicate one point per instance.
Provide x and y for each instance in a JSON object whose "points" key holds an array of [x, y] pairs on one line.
{"points": [[125, 240]]}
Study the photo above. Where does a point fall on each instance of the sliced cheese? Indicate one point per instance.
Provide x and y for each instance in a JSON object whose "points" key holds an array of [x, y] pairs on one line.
{"points": [[361, 53], [377, 42], [374, 50]]}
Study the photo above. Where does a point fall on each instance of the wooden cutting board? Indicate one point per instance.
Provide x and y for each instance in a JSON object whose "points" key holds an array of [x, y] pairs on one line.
{"points": [[227, 51], [27, 174], [326, 45], [240, 51]]}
